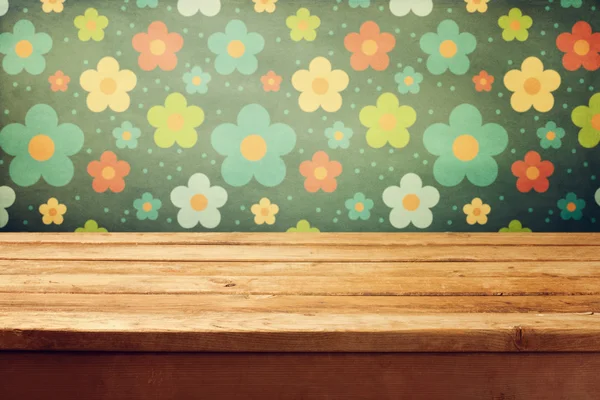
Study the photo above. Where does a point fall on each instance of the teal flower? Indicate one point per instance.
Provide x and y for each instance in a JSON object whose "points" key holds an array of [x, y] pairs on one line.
{"points": [[408, 80], [571, 207], [465, 148], [236, 49], [41, 147], [448, 49], [571, 3], [24, 49], [359, 3], [127, 135], [339, 136], [551, 135], [196, 81], [359, 207], [147, 207], [253, 147], [147, 3]]}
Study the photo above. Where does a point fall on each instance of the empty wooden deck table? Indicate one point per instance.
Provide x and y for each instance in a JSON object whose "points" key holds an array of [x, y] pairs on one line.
{"points": [[299, 316]]}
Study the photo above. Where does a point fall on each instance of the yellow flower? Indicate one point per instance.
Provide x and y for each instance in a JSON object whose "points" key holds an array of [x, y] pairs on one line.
{"points": [[320, 86], [108, 86], [477, 5], [532, 86], [52, 212], [264, 5], [477, 212], [264, 212], [52, 6]]}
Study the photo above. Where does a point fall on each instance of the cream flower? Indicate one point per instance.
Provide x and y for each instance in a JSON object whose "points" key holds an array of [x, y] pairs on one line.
{"points": [[532, 86], [49, 6], [477, 5], [264, 5], [477, 212], [320, 86], [264, 212], [108, 86]]}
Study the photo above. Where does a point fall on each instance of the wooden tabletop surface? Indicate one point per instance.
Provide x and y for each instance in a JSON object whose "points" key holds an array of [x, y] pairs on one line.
{"points": [[234, 292]]}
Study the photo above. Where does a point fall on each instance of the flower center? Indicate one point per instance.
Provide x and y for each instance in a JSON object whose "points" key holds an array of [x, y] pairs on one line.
{"points": [[369, 47], [91, 25], [515, 25], [409, 80], [532, 86], [175, 122], [465, 147], [126, 135], [147, 206], [158, 47], [320, 173], [476, 1], [359, 207], [197, 80], [483, 81], [532, 173], [24, 48], [236, 48], [108, 173], [477, 212], [596, 122], [108, 86], [320, 86], [303, 25], [264, 212], [199, 202], [338, 135], [448, 49], [59, 82], [411, 202], [551, 135], [41, 148], [387, 122], [271, 82], [52, 212], [253, 148], [571, 207], [581, 47]]}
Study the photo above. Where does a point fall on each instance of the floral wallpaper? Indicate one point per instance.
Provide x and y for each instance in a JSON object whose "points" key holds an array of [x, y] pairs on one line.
{"points": [[300, 116]]}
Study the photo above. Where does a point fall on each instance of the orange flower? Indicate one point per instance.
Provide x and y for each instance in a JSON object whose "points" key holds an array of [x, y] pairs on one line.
{"points": [[59, 82], [108, 173], [483, 81], [320, 173], [271, 82], [369, 47], [157, 47]]}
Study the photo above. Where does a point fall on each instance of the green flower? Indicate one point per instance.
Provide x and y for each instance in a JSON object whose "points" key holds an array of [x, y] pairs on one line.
{"points": [[339, 136], [303, 226], [408, 81], [588, 118], [515, 226], [359, 207], [448, 49], [515, 25], [465, 148], [359, 3], [175, 122], [571, 3], [551, 135], [147, 207], [303, 25], [91, 226], [236, 49], [24, 49], [127, 135], [571, 207], [91, 25], [388, 122], [41, 147], [147, 3]]}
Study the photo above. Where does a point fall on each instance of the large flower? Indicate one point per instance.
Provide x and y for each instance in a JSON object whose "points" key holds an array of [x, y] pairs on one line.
{"points": [[411, 202], [7, 199], [477, 212], [515, 226], [303, 25], [236, 49], [199, 202], [320, 86], [581, 47], [588, 119], [24, 49], [477, 5], [420, 8], [532, 86], [253, 147], [147, 207], [409, 81], [188, 8], [388, 122], [320, 173], [550, 135], [59, 82], [339, 135], [127, 135], [3, 11], [108, 173], [264, 5], [91, 25], [448, 49], [571, 207], [91, 226], [303, 226], [176, 122], [483, 81], [533, 173], [369, 48], [359, 207], [264, 212], [196, 81], [41, 147], [466, 147], [515, 25], [108, 86], [158, 47], [52, 212]]}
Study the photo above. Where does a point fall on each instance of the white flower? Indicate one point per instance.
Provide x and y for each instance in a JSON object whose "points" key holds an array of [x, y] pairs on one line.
{"points": [[411, 202], [597, 196], [3, 7], [210, 8], [7, 199], [199, 202], [401, 8]]}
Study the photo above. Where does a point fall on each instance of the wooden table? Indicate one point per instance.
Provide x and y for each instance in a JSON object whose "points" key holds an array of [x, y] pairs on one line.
{"points": [[299, 316]]}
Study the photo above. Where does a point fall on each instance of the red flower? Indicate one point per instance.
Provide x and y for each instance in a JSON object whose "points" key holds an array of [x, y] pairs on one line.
{"points": [[157, 47], [320, 173], [483, 81], [108, 173], [533, 173], [581, 47], [59, 82], [369, 47], [271, 82]]}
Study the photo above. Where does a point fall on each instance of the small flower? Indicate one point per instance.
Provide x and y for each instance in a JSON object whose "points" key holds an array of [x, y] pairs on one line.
{"points": [[49, 6], [448, 49], [581, 47], [477, 212], [532, 86], [189, 8], [157, 47], [175, 122], [59, 82], [588, 119], [550, 135], [571, 3], [339, 136], [147, 207], [24, 49], [127, 135], [477, 5], [408, 81], [271, 81], [571, 207], [514, 226], [388, 122], [411, 202], [236, 49], [264, 212], [108, 173], [7, 199], [91, 226], [320, 173], [483, 81], [303, 25], [596, 197], [91, 25], [303, 226], [199, 202], [108, 86], [370, 47], [196, 81], [533, 173], [359, 207], [320, 86], [420, 8], [515, 25], [52, 212], [359, 3], [147, 3], [264, 5]]}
